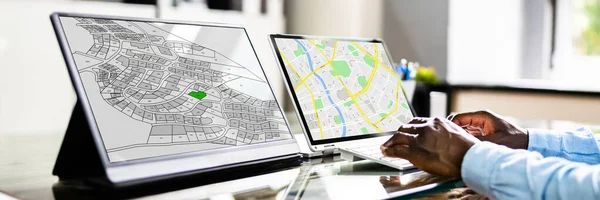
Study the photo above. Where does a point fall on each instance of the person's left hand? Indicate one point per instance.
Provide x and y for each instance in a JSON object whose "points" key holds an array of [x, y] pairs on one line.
{"points": [[436, 146]]}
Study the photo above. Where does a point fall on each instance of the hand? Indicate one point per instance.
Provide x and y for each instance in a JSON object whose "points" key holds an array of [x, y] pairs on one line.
{"points": [[488, 126], [395, 183], [436, 145]]}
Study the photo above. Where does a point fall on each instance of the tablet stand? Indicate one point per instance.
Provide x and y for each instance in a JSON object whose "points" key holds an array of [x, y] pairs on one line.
{"points": [[78, 157]]}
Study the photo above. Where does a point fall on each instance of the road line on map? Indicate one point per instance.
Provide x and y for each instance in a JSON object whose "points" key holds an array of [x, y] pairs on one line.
{"points": [[362, 113], [312, 96], [323, 83], [334, 50], [310, 74]]}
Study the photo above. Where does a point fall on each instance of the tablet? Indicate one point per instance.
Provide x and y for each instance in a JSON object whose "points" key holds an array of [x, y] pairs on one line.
{"points": [[166, 97]]}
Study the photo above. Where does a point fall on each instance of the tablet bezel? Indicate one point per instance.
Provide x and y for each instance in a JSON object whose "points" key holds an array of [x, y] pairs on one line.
{"points": [[287, 144]]}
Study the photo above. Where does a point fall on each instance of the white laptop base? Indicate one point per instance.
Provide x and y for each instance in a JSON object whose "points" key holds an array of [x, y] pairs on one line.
{"points": [[306, 152], [368, 149], [364, 149], [373, 153]]}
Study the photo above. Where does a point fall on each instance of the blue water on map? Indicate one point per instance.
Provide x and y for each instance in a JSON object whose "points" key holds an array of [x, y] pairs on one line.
{"points": [[310, 64]]}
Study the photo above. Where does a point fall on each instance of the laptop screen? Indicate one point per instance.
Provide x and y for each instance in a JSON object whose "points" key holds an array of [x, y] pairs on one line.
{"points": [[158, 89], [342, 88]]}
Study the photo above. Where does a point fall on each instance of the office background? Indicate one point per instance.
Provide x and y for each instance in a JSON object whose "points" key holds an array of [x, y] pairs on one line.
{"points": [[524, 44]]}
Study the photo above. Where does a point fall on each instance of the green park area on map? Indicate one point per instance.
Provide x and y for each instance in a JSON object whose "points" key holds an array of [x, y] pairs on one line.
{"points": [[382, 115], [362, 81], [341, 67], [364, 130], [405, 106], [369, 60], [353, 50], [337, 119], [319, 103], [197, 94], [349, 103], [299, 51]]}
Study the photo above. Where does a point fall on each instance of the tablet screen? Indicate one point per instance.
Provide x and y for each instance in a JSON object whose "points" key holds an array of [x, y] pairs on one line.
{"points": [[158, 89], [343, 88]]}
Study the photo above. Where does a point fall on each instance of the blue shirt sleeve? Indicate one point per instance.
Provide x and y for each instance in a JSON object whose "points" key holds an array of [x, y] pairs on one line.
{"points": [[578, 146], [499, 172]]}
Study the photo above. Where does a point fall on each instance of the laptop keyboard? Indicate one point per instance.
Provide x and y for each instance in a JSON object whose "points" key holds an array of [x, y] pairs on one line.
{"points": [[372, 152]]}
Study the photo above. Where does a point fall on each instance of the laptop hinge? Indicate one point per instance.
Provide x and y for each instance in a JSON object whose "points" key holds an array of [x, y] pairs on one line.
{"points": [[329, 149]]}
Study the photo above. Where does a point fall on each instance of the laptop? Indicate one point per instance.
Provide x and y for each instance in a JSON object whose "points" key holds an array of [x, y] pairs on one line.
{"points": [[346, 93], [167, 98]]}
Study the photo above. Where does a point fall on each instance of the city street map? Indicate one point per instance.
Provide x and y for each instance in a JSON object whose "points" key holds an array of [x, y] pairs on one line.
{"points": [[344, 88], [159, 89]]}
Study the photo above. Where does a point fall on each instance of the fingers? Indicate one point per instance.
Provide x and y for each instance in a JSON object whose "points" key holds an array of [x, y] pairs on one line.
{"points": [[399, 139], [451, 116], [477, 118], [475, 131], [413, 128], [398, 151], [418, 120]]}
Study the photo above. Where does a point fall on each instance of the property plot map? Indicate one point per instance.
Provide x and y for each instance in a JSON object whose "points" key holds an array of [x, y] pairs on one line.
{"points": [[161, 89], [344, 88]]}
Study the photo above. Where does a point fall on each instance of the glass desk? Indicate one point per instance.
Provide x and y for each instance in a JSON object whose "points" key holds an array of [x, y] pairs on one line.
{"points": [[26, 162], [329, 178]]}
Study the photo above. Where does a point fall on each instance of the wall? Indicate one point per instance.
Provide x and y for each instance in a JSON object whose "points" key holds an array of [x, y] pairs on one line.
{"points": [[418, 31], [37, 96], [537, 42], [484, 40], [339, 18]]}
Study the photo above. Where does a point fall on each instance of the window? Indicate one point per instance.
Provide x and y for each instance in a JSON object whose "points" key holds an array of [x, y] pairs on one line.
{"points": [[586, 27], [576, 56]]}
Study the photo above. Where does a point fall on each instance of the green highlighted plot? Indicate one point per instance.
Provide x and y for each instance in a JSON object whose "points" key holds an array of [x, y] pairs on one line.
{"points": [[362, 81], [320, 46], [364, 130], [341, 67], [337, 119], [299, 51], [390, 104], [405, 106], [197, 94], [369, 60], [353, 50], [349, 103], [319, 103]]}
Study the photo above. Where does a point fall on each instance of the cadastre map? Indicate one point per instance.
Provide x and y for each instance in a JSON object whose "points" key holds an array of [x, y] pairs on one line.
{"points": [[160, 89], [344, 88]]}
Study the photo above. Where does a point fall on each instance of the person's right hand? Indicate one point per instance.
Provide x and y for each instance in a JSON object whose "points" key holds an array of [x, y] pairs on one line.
{"points": [[488, 126]]}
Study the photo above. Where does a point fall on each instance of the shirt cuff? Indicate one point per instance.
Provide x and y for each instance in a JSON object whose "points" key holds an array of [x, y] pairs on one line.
{"points": [[479, 164], [547, 143]]}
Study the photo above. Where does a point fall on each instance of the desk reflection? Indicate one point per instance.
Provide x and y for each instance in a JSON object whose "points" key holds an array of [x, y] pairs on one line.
{"points": [[358, 180], [327, 178]]}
